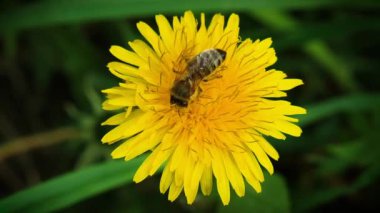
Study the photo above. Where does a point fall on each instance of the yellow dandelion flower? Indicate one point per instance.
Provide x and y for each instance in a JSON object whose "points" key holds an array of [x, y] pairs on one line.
{"points": [[220, 131]]}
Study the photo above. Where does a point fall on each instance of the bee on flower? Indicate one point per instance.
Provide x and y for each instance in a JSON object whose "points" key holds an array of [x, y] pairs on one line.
{"points": [[197, 69], [200, 102]]}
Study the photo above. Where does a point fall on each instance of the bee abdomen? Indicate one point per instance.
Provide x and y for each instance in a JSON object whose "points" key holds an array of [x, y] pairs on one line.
{"points": [[206, 62], [216, 56]]}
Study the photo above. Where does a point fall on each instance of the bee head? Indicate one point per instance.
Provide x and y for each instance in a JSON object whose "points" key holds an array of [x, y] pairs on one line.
{"points": [[181, 92], [178, 101], [222, 53]]}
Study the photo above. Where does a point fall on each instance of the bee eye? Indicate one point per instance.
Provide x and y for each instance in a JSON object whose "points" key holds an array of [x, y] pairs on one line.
{"points": [[222, 53], [184, 103]]}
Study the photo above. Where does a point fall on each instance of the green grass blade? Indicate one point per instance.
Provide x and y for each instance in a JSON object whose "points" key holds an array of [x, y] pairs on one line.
{"points": [[305, 203], [303, 33], [334, 65], [350, 103], [315, 47], [71, 188], [48, 13]]}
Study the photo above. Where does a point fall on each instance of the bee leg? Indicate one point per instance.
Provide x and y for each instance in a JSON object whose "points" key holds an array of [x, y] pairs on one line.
{"points": [[216, 76], [160, 83], [176, 71], [200, 90], [160, 78]]}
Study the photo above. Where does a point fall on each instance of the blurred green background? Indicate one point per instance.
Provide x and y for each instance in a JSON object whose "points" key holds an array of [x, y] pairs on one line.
{"points": [[53, 65]]}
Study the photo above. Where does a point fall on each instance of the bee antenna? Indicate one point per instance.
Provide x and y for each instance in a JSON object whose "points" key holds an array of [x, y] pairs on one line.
{"points": [[179, 115], [231, 45], [222, 37]]}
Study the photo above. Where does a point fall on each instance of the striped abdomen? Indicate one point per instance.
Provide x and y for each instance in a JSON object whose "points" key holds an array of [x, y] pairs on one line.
{"points": [[205, 63]]}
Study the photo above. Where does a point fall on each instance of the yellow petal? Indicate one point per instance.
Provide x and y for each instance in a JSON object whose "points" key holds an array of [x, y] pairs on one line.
{"points": [[107, 106], [261, 156], [262, 47], [216, 29], [179, 154], [140, 146], [232, 23], [126, 129], [288, 128], [166, 179], [119, 91], [126, 55], [286, 108], [189, 168], [255, 184], [222, 182], [276, 94], [166, 31], [123, 101], [143, 171], [124, 69], [195, 179], [174, 191], [129, 145], [176, 23], [247, 173], [206, 181], [140, 48], [288, 84], [267, 148], [161, 157], [234, 175], [253, 165], [149, 35], [268, 129], [115, 120], [190, 23]]}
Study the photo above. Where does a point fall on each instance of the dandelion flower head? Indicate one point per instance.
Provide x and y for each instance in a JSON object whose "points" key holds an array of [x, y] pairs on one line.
{"points": [[220, 135]]}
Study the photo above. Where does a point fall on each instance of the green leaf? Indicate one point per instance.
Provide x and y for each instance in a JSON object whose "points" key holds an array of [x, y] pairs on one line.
{"points": [[304, 32], [321, 196], [273, 198], [342, 157], [333, 64], [315, 47], [71, 188], [306, 202], [351, 103], [48, 13]]}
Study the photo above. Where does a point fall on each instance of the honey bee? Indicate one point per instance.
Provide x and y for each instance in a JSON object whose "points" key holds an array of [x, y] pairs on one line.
{"points": [[198, 68]]}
